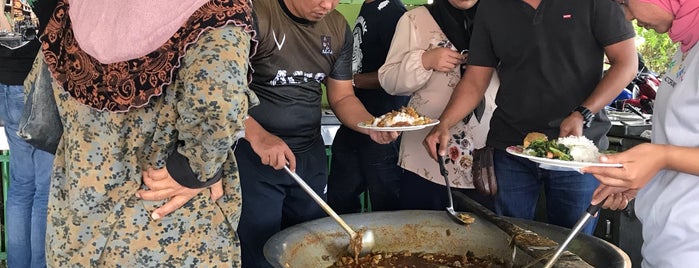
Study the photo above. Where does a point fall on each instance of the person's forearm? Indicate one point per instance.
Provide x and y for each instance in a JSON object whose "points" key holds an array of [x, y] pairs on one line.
{"points": [[253, 130], [346, 106], [367, 81], [682, 159], [403, 74], [350, 111], [467, 95], [623, 67], [616, 79]]}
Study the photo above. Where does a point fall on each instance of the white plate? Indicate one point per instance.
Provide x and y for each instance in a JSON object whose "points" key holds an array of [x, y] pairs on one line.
{"points": [[556, 164], [404, 128], [627, 116]]}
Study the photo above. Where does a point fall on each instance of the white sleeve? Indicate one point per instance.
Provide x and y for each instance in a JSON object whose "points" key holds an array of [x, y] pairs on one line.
{"points": [[403, 72]]}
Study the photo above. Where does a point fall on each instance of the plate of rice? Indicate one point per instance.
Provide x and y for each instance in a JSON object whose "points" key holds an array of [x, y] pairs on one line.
{"points": [[566, 153], [404, 119]]}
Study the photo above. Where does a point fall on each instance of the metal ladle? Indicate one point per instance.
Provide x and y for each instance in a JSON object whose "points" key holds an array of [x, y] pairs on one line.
{"points": [[367, 240], [450, 209], [589, 213]]}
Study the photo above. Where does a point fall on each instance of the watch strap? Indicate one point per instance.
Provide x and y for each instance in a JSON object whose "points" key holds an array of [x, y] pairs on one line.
{"points": [[586, 114]]}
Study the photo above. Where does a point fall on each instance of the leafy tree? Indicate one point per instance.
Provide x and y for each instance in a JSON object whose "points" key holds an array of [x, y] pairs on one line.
{"points": [[656, 49]]}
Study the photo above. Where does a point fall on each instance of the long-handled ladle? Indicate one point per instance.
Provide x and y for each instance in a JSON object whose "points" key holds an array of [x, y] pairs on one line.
{"points": [[450, 209], [367, 236], [589, 213]]}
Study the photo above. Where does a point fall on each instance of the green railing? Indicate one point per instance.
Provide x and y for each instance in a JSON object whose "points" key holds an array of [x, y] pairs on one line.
{"points": [[5, 169]]}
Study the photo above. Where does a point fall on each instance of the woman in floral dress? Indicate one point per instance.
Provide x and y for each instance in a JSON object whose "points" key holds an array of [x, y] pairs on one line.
{"points": [[425, 61]]}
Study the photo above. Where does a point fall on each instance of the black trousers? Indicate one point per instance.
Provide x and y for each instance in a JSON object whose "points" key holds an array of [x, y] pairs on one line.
{"points": [[272, 200], [360, 165]]}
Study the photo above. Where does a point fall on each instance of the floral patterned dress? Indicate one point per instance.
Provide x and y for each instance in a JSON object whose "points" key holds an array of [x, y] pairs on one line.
{"points": [[404, 74], [94, 217]]}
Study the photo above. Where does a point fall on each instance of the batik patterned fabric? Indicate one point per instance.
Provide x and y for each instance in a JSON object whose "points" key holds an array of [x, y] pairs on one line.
{"points": [[119, 86], [94, 217]]}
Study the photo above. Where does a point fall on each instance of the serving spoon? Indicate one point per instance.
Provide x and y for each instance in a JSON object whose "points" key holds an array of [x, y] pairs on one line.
{"points": [[365, 237], [450, 209]]}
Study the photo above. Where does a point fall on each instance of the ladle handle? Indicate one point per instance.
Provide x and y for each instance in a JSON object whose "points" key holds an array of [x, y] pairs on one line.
{"points": [[443, 170], [320, 202], [589, 213]]}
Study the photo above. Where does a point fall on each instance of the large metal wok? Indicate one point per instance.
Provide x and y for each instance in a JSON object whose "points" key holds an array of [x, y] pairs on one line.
{"points": [[318, 243]]}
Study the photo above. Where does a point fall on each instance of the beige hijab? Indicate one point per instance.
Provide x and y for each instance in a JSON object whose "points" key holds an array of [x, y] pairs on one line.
{"points": [[113, 31]]}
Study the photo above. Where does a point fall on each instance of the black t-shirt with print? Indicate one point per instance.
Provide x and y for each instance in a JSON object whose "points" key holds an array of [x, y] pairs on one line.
{"points": [[293, 58], [548, 60], [19, 44], [373, 33]]}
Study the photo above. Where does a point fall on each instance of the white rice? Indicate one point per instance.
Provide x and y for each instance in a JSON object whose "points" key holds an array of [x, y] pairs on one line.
{"points": [[581, 148], [398, 117]]}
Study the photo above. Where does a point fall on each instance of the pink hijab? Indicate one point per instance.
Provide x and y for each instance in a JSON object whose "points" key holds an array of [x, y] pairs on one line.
{"points": [[113, 31], [685, 26], [117, 57]]}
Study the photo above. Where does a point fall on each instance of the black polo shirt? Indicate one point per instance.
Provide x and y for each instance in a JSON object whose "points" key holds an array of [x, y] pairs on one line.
{"points": [[549, 61]]}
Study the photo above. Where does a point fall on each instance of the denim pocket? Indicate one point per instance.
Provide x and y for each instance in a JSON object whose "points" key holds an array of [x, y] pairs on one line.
{"points": [[40, 124], [15, 104]]}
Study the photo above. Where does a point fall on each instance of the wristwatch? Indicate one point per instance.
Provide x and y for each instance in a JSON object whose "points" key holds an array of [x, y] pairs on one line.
{"points": [[586, 114]]}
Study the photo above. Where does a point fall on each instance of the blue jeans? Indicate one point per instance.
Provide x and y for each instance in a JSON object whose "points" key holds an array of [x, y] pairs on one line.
{"points": [[27, 196], [417, 192], [568, 193]]}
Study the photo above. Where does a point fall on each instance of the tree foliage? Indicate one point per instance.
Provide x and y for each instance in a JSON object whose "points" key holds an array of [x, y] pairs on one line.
{"points": [[656, 49]]}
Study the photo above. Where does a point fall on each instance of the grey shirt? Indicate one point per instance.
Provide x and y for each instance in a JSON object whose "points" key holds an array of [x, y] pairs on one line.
{"points": [[294, 57]]}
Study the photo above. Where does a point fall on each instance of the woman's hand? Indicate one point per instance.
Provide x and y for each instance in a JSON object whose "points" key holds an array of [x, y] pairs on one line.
{"points": [[441, 59], [617, 197], [640, 164], [161, 186]]}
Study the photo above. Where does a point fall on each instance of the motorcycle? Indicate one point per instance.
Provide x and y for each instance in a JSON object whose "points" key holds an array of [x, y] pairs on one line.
{"points": [[640, 93]]}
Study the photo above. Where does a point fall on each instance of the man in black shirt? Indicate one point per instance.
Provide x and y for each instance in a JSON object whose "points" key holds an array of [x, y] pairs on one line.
{"points": [[549, 56], [359, 164], [302, 44], [30, 176]]}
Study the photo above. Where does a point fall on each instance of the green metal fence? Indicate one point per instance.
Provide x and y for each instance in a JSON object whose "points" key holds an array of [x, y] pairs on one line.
{"points": [[5, 172]]}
